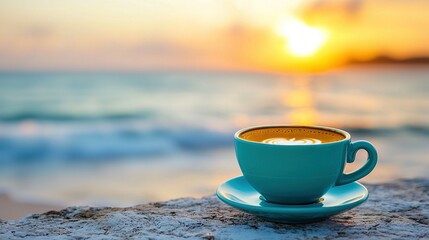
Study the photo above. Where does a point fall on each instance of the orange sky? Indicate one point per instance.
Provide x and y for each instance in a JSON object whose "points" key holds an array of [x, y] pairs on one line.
{"points": [[205, 34]]}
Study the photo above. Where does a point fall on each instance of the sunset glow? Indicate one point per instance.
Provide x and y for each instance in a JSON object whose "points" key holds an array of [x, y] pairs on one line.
{"points": [[301, 40], [281, 36]]}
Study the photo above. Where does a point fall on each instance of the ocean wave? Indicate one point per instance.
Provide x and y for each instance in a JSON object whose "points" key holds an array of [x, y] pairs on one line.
{"points": [[409, 128], [59, 117], [119, 143]]}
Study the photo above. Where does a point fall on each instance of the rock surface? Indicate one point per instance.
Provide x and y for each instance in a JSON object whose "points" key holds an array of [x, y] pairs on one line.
{"points": [[398, 210]]}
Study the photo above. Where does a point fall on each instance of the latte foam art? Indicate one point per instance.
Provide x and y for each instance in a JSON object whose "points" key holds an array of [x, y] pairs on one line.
{"points": [[292, 141]]}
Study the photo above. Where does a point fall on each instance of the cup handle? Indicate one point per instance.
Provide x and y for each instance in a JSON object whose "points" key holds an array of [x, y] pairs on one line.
{"points": [[365, 169]]}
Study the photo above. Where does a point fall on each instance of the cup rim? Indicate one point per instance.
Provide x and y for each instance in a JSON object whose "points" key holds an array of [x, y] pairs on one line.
{"points": [[346, 134]]}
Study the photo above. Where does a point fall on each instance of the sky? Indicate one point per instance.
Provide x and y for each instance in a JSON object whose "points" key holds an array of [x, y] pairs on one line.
{"points": [[269, 35]]}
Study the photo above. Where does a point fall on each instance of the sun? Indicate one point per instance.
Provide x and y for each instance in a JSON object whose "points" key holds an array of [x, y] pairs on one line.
{"points": [[302, 40]]}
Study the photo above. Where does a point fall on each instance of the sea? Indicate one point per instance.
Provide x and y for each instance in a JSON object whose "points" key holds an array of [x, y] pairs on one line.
{"points": [[125, 138]]}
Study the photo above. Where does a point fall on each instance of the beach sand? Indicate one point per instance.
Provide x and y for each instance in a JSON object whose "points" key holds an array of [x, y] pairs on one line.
{"points": [[11, 209]]}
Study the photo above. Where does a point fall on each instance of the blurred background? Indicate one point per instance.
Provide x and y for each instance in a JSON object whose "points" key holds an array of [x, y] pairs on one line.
{"points": [[124, 102]]}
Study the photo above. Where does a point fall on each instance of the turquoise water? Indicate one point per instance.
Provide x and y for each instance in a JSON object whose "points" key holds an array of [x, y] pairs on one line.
{"points": [[126, 138]]}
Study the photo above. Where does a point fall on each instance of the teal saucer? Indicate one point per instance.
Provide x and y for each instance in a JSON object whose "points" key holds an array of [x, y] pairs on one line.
{"points": [[238, 193]]}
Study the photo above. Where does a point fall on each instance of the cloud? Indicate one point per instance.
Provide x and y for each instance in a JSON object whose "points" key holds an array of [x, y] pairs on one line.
{"points": [[343, 9], [36, 31], [159, 47], [348, 6]]}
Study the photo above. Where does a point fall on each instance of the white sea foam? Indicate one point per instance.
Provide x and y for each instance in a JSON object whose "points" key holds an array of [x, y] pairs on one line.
{"points": [[292, 141]]}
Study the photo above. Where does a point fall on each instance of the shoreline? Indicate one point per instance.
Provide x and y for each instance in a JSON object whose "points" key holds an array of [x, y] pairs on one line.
{"points": [[12, 209]]}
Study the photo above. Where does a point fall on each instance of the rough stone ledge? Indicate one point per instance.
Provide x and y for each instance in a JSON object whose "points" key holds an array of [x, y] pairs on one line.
{"points": [[398, 210]]}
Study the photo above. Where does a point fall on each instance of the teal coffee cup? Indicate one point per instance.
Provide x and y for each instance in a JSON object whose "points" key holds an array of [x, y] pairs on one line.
{"points": [[290, 164]]}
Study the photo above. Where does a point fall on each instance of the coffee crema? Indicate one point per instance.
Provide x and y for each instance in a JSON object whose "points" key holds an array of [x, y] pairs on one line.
{"points": [[291, 135], [292, 141]]}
